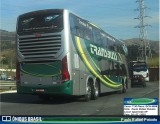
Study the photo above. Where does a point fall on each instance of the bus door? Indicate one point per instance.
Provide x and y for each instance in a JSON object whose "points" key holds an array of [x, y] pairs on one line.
{"points": [[80, 75], [83, 77], [76, 74]]}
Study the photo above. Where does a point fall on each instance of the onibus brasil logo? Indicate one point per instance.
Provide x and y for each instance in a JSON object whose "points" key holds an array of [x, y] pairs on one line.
{"points": [[139, 101]]}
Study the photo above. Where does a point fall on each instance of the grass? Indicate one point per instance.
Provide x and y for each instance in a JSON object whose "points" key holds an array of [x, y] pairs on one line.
{"points": [[154, 62]]}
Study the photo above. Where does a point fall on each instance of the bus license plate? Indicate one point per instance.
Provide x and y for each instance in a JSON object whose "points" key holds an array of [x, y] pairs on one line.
{"points": [[39, 90]]}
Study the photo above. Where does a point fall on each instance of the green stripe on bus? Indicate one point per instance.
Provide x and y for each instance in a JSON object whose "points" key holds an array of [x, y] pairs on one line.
{"points": [[90, 67]]}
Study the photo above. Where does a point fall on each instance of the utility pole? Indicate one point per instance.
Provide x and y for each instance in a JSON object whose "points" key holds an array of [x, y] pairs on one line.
{"points": [[144, 47]]}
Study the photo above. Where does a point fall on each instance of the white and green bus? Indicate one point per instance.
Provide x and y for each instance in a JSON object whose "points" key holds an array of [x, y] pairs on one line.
{"points": [[60, 53]]}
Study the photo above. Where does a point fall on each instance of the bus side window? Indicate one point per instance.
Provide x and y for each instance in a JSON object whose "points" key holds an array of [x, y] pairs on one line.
{"points": [[97, 37], [80, 32], [115, 47], [111, 46], [88, 34], [72, 24], [76, 28], [104, 42], [120, 48], [112, 68]]}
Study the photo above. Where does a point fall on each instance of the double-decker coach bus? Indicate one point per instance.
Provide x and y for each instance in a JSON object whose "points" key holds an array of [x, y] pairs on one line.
{"points": [[60, 53]]}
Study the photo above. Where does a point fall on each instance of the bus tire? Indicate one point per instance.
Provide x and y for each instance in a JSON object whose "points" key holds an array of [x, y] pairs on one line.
{"points": [[124, 87], [88, 94], [95, 90]]}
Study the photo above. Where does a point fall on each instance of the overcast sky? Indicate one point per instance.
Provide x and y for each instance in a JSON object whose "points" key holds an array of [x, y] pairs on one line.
{"points": [[114, 16]]}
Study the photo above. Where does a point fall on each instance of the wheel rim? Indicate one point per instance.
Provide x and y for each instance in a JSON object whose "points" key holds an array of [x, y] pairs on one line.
{"points": [[96, 90], [88, 91], [124, 87]]}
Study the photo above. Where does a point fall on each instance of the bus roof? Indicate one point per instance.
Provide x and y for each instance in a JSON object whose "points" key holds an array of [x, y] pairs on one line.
{"points": [[62, 9]]}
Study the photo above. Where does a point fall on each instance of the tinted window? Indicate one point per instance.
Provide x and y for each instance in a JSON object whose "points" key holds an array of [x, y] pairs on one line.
{"points": [[97, 37], [80, 27], [40, 21], [104, 41]]}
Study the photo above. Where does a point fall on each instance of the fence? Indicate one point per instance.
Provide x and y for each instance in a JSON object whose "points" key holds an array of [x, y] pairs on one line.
{"points": [[154, 74], [7, 85]]}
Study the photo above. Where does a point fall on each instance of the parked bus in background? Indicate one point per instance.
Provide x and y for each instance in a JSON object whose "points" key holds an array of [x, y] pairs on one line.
{"points": [[60, 53]]}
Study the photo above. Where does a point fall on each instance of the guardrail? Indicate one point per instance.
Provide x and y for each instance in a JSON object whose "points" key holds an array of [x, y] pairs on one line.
{"points": [[10, 85]]}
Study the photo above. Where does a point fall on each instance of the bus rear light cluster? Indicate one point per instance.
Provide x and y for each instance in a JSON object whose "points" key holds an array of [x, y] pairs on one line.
{"points": [[17, 71], [65, 73]]}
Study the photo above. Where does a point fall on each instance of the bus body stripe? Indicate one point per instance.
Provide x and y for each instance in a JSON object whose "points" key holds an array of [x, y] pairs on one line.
{"points": [[40, 75], [100, 71], [90, 67]]}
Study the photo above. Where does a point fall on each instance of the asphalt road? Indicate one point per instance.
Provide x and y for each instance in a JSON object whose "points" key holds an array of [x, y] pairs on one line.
{"points": [[107, 104]]}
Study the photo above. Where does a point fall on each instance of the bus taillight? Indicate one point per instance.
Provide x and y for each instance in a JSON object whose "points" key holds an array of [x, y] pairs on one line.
{"points": [[65, 73], [17, 71]]}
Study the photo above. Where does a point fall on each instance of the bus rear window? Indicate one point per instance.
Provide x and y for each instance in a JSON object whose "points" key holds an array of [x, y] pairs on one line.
{"points": [[40, 21]]}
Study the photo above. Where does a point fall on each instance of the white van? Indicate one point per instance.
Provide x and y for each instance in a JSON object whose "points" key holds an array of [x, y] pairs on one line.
{"points": [[140, 68]]}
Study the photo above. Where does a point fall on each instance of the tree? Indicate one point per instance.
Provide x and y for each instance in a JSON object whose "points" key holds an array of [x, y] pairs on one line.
{"points": [[10, 58]]}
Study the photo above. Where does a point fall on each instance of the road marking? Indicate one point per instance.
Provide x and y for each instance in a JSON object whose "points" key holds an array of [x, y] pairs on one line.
{"points": [[149, 92]]}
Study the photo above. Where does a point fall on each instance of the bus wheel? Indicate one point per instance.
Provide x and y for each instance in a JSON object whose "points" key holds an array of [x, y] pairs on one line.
{"points": [[124, 89], [95, 91], [88, 92]]}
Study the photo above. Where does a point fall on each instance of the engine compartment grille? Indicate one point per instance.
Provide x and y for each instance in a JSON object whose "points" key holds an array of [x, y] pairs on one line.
{"points": [[41, 47]]}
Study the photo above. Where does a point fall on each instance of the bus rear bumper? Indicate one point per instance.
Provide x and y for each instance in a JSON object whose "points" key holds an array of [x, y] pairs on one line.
{"points": [[65, 88]]}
